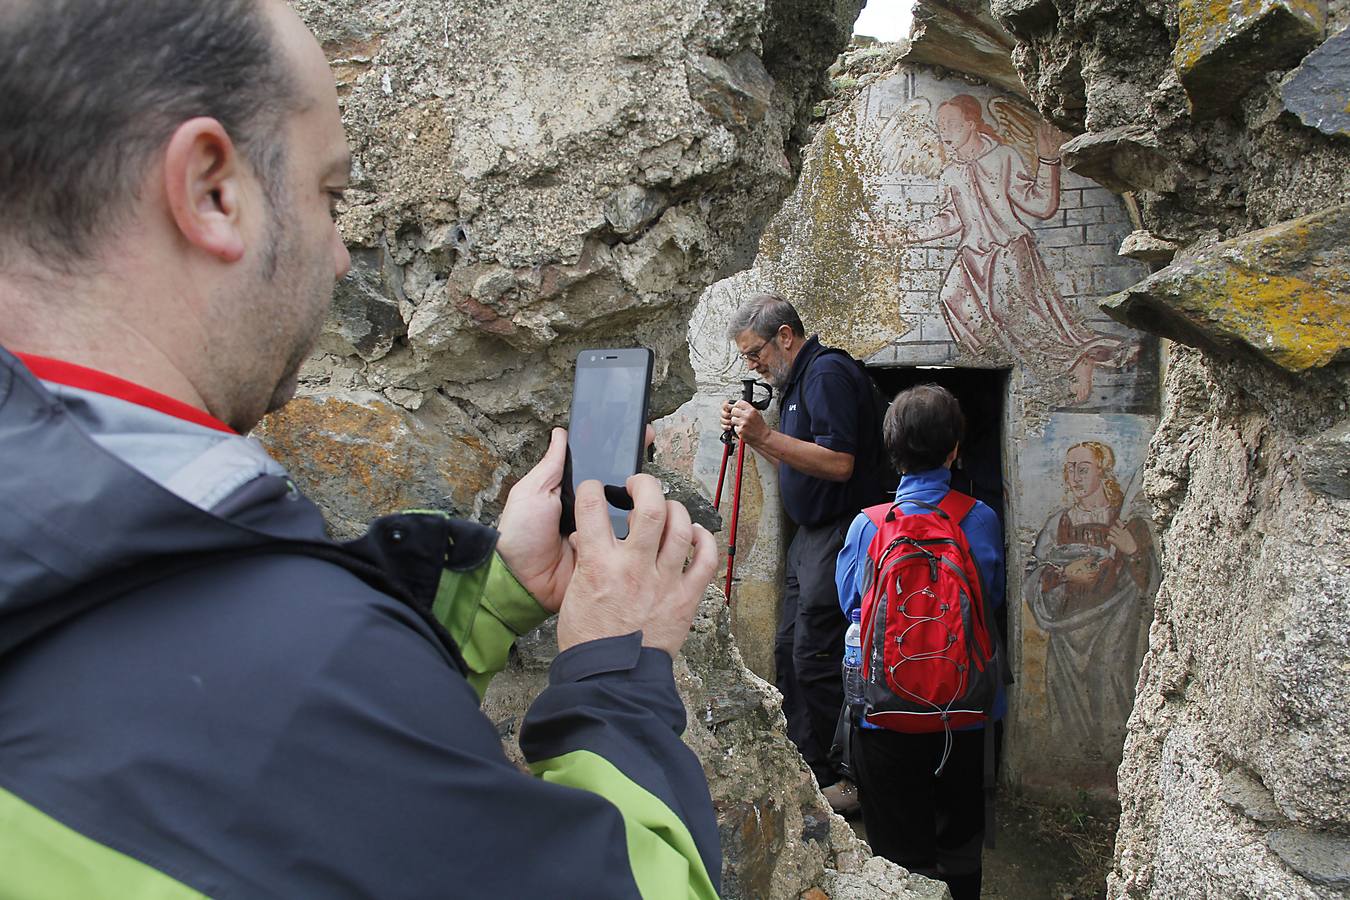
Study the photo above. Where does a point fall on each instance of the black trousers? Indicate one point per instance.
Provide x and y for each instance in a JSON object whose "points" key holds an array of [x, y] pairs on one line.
{"points": [[809, 646], [930, 824]]}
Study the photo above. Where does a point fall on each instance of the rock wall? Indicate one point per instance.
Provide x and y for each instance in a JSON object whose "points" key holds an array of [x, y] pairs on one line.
{"points": [[532, 180], [529, 180], [1227, 124]]}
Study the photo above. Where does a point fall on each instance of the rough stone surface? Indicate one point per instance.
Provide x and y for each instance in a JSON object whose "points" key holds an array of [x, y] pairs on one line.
{"points": [[1326, 463], [681, 489], [1318, 91], [531, 180], [962, 35], [1145, 247], [1282, 293], [1225, 46], [1122, 159], [1248, 650], [779, 838], [1246, 794], [1322, 859], [364, 456]]}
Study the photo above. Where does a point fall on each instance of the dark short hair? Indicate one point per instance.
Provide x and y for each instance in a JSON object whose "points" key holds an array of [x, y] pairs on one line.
{"points": [[90, 91], [764, 314], [922, 426]]}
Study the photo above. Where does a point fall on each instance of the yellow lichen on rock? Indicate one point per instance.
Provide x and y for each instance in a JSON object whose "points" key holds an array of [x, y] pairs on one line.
{"points": [[1283, 292]]}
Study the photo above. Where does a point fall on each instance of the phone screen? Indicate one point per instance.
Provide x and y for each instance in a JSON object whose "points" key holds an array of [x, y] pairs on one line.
{"points": [[609, 419]]}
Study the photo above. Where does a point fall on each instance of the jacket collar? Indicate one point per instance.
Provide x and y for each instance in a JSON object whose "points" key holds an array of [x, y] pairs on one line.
{"points": [[810, 350]]}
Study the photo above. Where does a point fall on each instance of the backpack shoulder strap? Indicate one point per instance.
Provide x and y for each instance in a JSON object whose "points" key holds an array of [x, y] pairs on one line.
{"points": [[956, 505], [801, 382], [877, 514]]}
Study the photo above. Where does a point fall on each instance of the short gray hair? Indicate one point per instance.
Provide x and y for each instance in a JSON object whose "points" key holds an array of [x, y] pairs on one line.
{"points": [[92, 89], [764, 314]]}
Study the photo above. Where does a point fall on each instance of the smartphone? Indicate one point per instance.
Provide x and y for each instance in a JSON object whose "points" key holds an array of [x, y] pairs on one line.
{"points": [[610, 399]]}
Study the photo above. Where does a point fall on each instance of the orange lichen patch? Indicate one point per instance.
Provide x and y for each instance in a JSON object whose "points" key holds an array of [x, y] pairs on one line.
{"points": [[1296, 322], [1205, 25], [349, 59], [374, 458], [470, 466]]}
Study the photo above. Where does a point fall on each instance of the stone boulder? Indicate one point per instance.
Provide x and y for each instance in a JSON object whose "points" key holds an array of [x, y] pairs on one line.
{"points": [[1318, 91], [530, 180], [962, 35], [1223, 48], [1282, 293]]}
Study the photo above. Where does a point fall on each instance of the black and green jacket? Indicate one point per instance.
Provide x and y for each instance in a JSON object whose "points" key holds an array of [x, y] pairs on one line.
{"points": [[212, 699]]}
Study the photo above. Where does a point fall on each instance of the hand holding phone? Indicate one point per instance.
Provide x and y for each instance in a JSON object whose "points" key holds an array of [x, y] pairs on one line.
{"points": [[652, 582], [610, 399]]}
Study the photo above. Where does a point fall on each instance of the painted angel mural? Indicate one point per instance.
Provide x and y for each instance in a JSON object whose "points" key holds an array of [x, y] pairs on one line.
{"points": [[993, 183], [1092, 578]]}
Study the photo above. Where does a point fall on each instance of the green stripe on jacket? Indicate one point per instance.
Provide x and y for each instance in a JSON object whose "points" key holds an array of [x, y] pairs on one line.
{"points": [[485, 610], [661, 851], [41, 859]]}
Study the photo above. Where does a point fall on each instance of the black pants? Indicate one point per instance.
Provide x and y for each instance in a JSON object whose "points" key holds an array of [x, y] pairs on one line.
{"points": [[809, 646], [930, 824]]}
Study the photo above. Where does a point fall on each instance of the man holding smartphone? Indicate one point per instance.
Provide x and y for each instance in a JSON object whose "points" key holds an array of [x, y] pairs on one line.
{"points": [[200, 693], [827, 431]]}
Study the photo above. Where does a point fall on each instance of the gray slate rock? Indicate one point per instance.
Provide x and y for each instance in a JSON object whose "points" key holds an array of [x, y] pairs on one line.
{"points": [[1326, 463], [1320, 858], [1318, 91]]}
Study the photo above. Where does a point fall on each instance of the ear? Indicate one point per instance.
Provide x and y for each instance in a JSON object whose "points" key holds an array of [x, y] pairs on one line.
{"points": [[204, 184], [951, 457], [785, 337]]}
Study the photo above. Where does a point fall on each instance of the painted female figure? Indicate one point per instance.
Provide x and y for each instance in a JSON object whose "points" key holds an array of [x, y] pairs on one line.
{"points": [[999, 287], [1092, 579]]}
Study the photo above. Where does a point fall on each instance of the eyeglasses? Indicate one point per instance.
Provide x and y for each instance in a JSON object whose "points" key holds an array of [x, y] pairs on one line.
{"points": [[753, 355]]}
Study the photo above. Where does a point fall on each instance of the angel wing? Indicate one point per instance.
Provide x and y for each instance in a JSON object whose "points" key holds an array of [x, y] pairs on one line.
{"points": [[1018, 125], [908, 142]]}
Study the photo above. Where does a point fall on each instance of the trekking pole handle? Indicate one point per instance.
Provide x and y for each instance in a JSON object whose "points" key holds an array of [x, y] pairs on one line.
{"points": [[748, 395], [748, 386]]}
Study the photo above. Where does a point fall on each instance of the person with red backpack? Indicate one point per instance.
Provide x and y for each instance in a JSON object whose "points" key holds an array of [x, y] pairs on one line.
{"points": [[926, 571]]}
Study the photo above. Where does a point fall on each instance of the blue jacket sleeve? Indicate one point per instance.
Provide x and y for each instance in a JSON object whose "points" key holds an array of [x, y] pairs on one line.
{"points": [[986, 545], [848, 571]]}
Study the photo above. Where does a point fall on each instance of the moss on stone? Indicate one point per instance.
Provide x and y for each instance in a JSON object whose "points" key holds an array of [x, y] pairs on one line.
{"points": [[817, 249]]}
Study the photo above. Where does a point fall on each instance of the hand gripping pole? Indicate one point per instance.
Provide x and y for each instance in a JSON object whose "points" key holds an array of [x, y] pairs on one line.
{"points": [[748, 395]]}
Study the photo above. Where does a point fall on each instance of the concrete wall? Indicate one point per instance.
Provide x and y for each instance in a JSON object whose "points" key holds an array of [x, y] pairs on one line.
{"points": [[853, 248]]}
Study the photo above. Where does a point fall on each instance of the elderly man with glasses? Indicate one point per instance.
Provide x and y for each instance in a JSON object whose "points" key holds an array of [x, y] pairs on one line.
{"points": [[828, 432]]}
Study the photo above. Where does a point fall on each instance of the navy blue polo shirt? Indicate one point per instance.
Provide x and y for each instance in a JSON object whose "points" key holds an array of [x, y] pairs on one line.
{"points": [[837, 415]]}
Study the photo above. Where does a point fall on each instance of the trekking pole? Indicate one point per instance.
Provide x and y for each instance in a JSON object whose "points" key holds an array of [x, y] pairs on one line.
{"points": [[728, 438], [748, 395]]}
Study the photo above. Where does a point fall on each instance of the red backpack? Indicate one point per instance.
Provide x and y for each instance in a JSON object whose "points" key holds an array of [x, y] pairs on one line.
{"points": [[930, 655]]}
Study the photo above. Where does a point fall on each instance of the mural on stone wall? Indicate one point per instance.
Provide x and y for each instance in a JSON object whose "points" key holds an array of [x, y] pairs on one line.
{"points": [[1091, 577], [998, 243], [1093, 570], [998, 288], [934, 227]]}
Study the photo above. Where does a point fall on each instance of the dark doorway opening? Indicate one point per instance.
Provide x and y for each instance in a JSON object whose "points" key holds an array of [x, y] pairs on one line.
{"points": [[979, 467]]}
